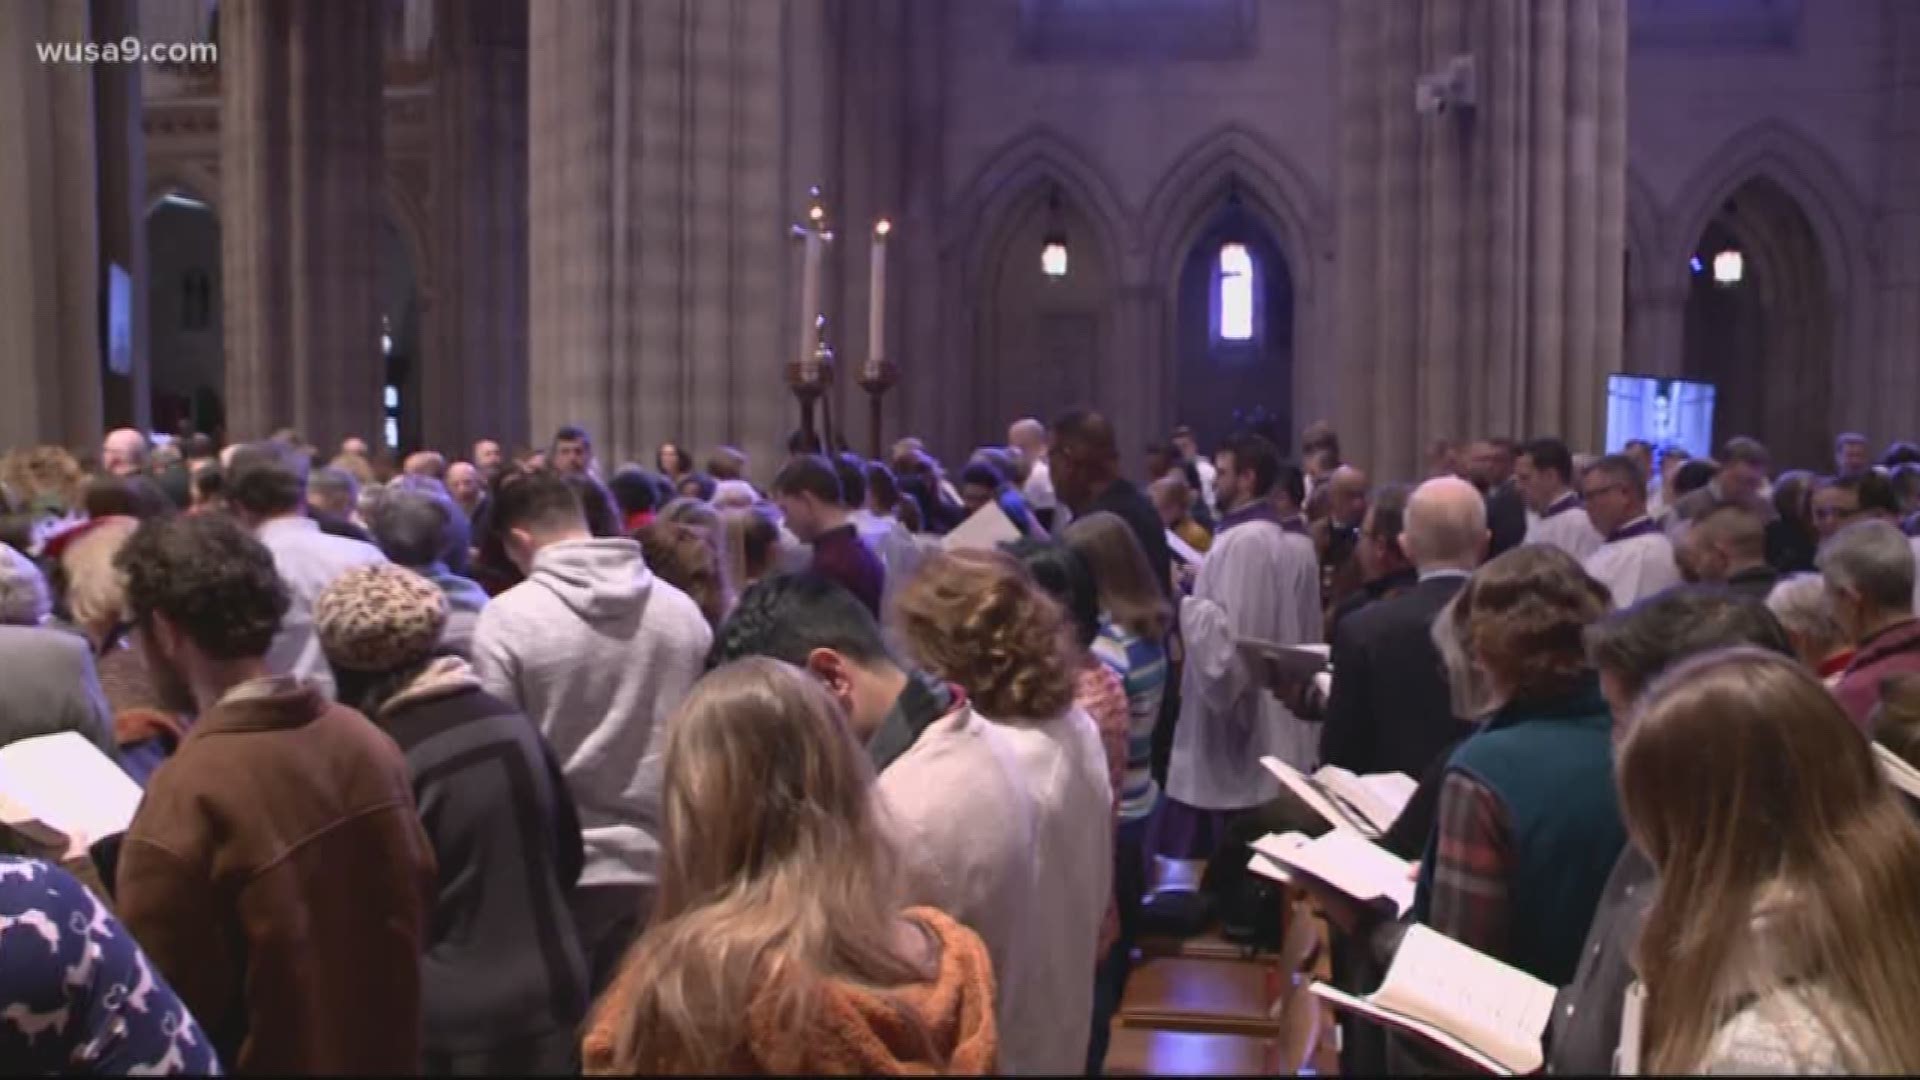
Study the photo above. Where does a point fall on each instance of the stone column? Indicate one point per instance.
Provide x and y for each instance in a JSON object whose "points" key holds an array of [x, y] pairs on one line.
{"points": [[1885, 398], [302, 175], [122, 152], [475, 380], [659, 200], [50, 356], [1481, 250]]}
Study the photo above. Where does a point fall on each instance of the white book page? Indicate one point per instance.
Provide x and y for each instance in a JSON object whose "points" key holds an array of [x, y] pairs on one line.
{"points": [[1316, 798], [1269, 869], [1493, 1006], [1348, 862], [1898, 773], [986, 530], [1361, 796], [1340, 999], [65, 781]]}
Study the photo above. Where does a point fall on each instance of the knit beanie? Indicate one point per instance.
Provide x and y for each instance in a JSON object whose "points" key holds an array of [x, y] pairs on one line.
{"points": [[379, 617]]}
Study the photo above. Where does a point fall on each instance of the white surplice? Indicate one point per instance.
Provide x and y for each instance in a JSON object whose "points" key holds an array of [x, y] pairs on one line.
{"points": [[1261, 582], [1566, 527], [1635, 567]]}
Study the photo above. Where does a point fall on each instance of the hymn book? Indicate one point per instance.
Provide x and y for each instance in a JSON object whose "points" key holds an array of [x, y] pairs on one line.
{"points": [[986, 530], [1368, 805], [63, 784], [1344, 861], [1488, 1013]]}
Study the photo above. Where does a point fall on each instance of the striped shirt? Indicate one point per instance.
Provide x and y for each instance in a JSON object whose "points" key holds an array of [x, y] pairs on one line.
{"points": [[1142, 667]]}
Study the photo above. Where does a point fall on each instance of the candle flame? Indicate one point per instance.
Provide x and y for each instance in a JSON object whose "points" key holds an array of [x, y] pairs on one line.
{"points": [[816, 212], [882, 227]]}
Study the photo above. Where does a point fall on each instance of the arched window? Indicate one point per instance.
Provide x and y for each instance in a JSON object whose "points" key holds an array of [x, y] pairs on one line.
{"points": [[1234, 317]]}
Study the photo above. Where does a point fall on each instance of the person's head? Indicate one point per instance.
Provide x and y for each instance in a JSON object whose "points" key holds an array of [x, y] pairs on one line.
{"points": [[698, 486], [671, 460], [134, 496], [1246, 466], [1347, 496], [1060, 571], [635, 491], [809, 494], [1615, 493], [748, 537], [1123, 579], [688, 561], [464, 484], [1318, 438], [205, 602], [1520, 619], [426, 463], [266, 480], [1641, 451], [94, 592], [1851, 455], [411, 527], [773, 859], [1845, 500], [124, 452], [1028, 438], [1185, 443], [977, 619], [733, 495], [1694, 475], [596, 502], [1784, 859], [1445, 526], [696, 515], [1490, 462], [980, 483], [1443, 458], [1722, 543], [727, 463], [1805, 609], [209, 489], [819, 627], [355, 445], [355, 466], [1793, 498], [1744, 465], [851, 468], [332, 493], [1321, 464], [1084, 457], [1172, 499], [198, 448], [1379, 547], [1904, 480], [535, 510], [375, 622], [1544, 471], [24, 597], [488, 457], [883, 491], [1868, 567], [572, 450], [1630, 648], [1671, 460]]}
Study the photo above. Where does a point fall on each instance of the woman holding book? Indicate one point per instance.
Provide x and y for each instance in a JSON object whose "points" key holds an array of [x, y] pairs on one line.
{"points": [[1785, 935]]}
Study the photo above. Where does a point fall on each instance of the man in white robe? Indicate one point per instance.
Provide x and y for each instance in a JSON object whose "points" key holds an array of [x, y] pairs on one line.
{"points": [[1261, 581], [1545, 473], [1636, 561]]}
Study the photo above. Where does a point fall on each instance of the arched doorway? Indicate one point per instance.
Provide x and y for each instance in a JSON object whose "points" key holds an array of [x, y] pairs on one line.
{"points": [[1760, 321], [1233, 328], [186, 342]]}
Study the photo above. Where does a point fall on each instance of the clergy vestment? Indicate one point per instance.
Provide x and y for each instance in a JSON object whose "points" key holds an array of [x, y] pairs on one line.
{"points": [[1635, 562], [1566, 527], [1261, 580]]}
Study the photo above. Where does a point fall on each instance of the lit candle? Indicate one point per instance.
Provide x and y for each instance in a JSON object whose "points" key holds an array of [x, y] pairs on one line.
{"points": [[810, 276], [877, 299]]}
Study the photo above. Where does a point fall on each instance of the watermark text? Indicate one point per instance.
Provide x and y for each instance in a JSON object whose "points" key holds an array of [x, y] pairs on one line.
{"points": [[128, 50]]}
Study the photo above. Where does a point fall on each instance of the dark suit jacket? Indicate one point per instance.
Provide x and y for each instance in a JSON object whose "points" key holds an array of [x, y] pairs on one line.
{"points": [[1390, 710], [1506, 519]]}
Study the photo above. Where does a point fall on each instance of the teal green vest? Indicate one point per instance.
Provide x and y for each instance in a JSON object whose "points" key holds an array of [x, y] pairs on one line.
{"points": [[1551, 767]]}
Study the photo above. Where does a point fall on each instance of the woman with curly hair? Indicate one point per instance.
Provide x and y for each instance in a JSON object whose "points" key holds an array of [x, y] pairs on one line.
{"points": [[1529, 824], [977, 619]]}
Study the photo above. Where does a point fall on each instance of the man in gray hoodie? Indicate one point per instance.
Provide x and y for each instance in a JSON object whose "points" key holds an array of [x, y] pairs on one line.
{"points": [[599, 653]]}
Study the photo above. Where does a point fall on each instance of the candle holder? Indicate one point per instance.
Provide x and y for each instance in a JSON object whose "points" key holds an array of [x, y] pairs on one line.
{"points": [[876, 378], [809, 379]]}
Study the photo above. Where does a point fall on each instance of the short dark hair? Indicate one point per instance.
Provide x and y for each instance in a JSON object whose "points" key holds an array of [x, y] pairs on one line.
{"points": [[1319, 438], [852, 470], [1874, 490], [1905, 481], [810, 474], [1694, 475], [727, 463], [410, 526], [1900, 453], [1088, 435], [1254, 452], [1505, 446], [882, 486], [534, 498], [1064, 575], [198, 445], [1636, 644], [1624, 471], [1388, 511], [1745, 451], [1848, 438], [636, 490], [134, 496], [571, 433], [267, 478], [981, 474], [596, 504], [1550, 455], [789, 616], [1288, 480], [210, 578]]}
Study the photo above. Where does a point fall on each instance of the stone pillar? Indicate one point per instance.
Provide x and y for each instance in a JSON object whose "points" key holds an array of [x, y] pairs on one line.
{"points": [[1885, 399], [475, 380], [122, 152], [302, 174], [1481, 251], [659, 197], [50, 356]]}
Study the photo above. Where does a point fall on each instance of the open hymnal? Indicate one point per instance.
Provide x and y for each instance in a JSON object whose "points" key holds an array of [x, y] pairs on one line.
{"points": [[63, 783], [1369, 805], [1904, 777], [1486, 1012], [986, 530], [1282, 668], [1342, 860]]}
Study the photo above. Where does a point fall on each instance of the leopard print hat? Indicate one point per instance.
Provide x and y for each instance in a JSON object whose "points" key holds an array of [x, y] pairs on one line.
{"points": [[379, 617]]}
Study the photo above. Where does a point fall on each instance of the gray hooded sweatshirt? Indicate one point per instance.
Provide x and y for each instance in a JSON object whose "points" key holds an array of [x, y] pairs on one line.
{"points": [[599, 653]]}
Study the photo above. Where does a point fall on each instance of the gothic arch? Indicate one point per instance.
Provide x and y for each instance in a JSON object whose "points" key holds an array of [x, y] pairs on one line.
{"points": [[975, 227], [1644, 244], [194, 179], [409, 215]]}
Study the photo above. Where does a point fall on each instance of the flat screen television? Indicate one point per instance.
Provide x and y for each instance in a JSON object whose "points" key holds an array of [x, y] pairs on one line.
{"points": [[1664, 412]]}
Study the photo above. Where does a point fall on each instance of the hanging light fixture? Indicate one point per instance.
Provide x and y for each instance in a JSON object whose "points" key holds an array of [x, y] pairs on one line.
{"points": [[1729, 267], [1053, 247]]}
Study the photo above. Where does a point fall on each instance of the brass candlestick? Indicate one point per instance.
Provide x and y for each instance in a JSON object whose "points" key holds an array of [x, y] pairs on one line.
{"points": [[809, 379], [876, 378]]}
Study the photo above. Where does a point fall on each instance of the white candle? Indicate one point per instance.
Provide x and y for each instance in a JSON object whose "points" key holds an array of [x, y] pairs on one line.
{"points": [[810, 282], [877, 299]]}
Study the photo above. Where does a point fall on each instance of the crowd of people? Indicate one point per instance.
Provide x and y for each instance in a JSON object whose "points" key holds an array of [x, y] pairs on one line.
{"points": [[525, 764]]}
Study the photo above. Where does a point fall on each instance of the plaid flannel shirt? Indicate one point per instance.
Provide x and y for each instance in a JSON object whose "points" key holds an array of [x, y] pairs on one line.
{"points": [[1473, 864]]}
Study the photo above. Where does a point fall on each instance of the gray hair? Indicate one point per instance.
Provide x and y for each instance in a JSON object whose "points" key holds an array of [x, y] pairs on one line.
{"points": [[411, 526], [1873, 559], [1801, 603], [1445, 524], [24, 600], [336, 486]]}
